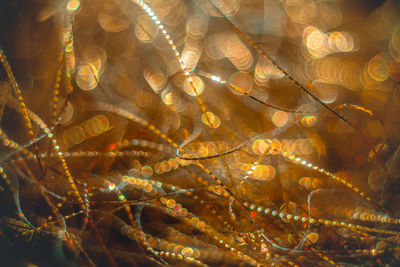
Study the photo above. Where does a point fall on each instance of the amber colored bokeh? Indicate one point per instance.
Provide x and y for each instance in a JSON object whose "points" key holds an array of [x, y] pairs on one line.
{"points": [[199, 132]]}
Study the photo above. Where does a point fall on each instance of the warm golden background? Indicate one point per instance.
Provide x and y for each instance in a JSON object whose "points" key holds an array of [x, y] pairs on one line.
{"points": [[220, 133]]}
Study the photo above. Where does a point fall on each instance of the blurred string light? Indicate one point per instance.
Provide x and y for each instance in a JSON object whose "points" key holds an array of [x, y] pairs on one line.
{"points": [[137, 80]]}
